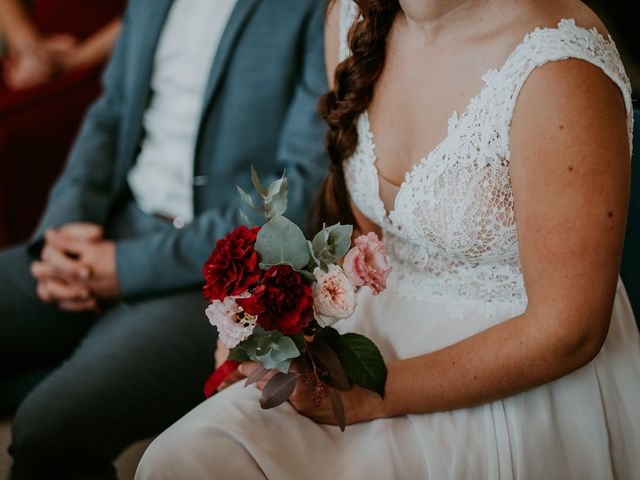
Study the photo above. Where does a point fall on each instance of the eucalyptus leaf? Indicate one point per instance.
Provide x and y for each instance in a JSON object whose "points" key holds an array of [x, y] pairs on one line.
{"points": [[239, 355], [256, 183], [275, 203], [245, 218], [284, 349], [315, 259], [267, 361], [273, 350], [246, 198], [331, 243], [246, 349], [281, 242], [266, 340], [277, 185]]}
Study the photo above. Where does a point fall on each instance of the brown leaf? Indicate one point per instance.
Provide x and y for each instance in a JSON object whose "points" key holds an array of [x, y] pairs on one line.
{"points": [[327, 360], [256, 375], [338, 409], [278, 389]]}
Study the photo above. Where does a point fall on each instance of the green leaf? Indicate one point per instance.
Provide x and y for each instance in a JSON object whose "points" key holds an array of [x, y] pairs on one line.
{"points": [[245, 218], [307, 275], [281, 242], [274, 351], [268, 362], [266, 339], [239, 355], [284, 349], [314, 259], [246, 198], [362, 361], [331, 243], [278, 389], [246, 349], [277, 185], [275, 203]]}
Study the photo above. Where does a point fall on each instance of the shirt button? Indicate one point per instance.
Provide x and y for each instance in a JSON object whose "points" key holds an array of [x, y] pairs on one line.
{"points": [[179, 222], [200, 180]]}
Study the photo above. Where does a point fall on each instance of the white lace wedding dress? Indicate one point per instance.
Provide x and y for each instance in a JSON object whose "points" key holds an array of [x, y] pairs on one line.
{"points": [[454, 249]]}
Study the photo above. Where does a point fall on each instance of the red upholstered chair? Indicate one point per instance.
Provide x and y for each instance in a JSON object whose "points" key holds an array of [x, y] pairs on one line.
{"points": [[38, 125]]}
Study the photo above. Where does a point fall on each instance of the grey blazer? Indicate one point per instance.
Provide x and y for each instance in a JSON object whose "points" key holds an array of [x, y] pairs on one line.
{"points": [[260, 108]]}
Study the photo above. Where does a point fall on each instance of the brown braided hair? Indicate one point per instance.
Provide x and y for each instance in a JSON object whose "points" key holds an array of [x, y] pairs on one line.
{"points": [[354, 83]]}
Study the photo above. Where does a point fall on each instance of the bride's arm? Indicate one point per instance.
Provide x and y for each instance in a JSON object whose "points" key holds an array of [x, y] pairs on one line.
{"points": [[570, 176]]}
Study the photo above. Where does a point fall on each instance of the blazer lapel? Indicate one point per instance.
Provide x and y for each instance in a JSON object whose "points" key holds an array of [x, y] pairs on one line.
{"points": [[150, 40], [239, 16]]}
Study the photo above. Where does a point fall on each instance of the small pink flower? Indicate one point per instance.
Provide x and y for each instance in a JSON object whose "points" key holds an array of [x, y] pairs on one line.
{"points": [[233, 324], [367, 264], [334, 296]]}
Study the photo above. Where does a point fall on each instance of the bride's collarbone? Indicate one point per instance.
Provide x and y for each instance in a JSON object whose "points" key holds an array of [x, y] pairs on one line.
{"points": [[410, 119]]}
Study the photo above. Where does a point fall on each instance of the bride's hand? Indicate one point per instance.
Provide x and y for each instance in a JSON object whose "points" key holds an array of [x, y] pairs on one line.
{"points": [[221, 355], [360, 405]]}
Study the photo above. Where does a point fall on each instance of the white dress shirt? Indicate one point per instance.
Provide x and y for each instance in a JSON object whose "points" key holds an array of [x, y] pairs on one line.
{"points": [[162, 178]]}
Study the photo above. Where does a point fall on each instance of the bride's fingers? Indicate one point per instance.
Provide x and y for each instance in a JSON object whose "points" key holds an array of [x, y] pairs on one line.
{"points": [[264, 380], [222, 353], [246, 368], [230, 380]]}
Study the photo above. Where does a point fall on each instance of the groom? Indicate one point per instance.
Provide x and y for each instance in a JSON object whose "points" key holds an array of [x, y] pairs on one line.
{"points": [[107, 294]]}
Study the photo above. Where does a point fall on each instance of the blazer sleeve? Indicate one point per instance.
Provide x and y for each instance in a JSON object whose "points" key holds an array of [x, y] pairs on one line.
{"points": [[83, 192], [173, 259]]}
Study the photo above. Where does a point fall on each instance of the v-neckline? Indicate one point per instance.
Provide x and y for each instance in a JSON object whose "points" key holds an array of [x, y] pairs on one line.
{"points": [[452, 124]]}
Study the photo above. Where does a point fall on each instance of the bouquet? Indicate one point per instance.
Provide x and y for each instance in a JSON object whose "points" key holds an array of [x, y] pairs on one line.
{"points": [[274, 296]]}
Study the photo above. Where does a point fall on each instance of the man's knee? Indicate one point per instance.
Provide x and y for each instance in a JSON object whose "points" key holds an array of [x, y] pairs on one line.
{"points": [[39, 436], [49, 437]]}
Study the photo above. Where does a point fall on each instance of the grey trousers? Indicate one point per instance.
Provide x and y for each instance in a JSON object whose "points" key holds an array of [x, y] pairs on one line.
{"points": [[120, 376]]}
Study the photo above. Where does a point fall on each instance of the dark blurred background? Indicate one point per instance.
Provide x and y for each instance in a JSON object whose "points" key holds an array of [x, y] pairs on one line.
{"points": [[624, 27]]}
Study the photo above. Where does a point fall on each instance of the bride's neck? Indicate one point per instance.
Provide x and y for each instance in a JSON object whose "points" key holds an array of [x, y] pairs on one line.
{"points": [[429, 21]]}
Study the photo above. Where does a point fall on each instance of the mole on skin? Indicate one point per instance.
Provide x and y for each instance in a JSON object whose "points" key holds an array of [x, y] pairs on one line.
{"points": [[610, 214]]}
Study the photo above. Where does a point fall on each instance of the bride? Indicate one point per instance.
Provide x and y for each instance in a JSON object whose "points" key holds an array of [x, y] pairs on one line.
{"points": [[511, 345]]}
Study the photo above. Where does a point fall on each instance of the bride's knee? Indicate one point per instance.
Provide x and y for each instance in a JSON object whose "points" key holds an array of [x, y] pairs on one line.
{"points": [[158, 460], [197, 452]]}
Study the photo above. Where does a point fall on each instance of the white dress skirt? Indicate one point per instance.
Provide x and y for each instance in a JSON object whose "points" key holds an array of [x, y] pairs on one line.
{"points": [[453, 245]]}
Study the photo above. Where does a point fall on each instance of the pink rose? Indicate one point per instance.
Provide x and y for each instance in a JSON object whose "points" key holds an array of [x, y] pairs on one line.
{"points": [[334, 296], [233, 324], [367, 264]]}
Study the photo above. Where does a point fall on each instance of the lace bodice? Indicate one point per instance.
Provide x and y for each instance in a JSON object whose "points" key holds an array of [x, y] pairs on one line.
{"points": [[451, 235]]}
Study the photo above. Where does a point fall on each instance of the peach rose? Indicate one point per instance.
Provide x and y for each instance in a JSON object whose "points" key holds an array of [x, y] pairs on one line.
{"points": [[367, 264], [334, 296]]}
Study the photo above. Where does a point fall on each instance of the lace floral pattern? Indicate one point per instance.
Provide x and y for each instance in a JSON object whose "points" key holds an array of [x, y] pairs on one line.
{"points": [[452, 233]]}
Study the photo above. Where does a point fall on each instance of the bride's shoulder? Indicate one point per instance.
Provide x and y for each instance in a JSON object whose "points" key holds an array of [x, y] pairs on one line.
{"points": [[548, 14], [565, 45]]}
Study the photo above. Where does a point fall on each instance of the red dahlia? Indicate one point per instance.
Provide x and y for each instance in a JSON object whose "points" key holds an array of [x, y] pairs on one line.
{"points": [[232, 267], [282, 301]]}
